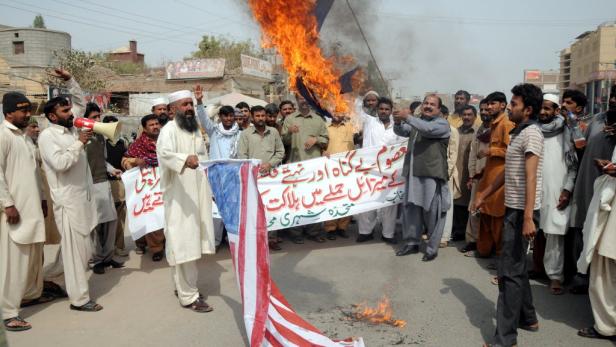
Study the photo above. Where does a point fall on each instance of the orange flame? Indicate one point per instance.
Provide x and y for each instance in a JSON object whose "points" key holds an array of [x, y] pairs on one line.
{"points": [[291, 27], [382, 314]]}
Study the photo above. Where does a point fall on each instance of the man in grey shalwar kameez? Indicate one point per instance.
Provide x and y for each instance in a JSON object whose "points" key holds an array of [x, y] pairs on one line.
{"points": [[425, 169]]}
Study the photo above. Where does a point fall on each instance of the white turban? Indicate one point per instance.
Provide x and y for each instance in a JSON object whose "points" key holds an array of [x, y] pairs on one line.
{"points": [[552, 97], [179, 95], [159, 101]]}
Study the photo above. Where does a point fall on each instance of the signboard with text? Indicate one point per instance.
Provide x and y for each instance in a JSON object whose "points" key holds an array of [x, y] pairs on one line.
{"points": [[144, 201], [196, 68], [256, 67]]}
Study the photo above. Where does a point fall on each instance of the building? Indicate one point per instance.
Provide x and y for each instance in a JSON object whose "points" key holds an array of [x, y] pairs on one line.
{"points": [[547, 80], [25, 54], [127, 54], [589, 65]]}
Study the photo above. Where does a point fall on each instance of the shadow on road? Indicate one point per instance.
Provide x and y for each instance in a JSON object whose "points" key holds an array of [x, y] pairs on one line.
{"points": [[479, 309]]}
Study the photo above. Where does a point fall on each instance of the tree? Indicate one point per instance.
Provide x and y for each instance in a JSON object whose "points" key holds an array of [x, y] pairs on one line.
{"points": [[87, 68], [39, 22], [217, 47]]}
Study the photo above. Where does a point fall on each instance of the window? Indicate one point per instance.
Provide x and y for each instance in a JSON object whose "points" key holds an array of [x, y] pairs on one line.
{"points": [[16, 35], [18, 47]]}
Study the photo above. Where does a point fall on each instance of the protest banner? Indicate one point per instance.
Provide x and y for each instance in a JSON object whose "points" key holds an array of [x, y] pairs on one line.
{"points": [[326, 188], [144, 201], [311, 191]]}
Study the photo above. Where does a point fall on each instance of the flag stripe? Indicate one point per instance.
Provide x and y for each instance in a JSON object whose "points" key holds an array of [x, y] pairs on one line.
{"points": [[269, 319]]}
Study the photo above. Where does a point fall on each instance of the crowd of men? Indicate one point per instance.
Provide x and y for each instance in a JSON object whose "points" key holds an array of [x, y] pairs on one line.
{"points": [[532, 173]]}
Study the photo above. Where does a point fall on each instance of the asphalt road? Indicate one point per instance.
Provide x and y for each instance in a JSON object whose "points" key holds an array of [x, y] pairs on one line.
{"points": [[447, 302]]}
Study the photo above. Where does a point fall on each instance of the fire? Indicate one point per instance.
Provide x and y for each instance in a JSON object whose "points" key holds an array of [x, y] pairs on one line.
{"points": [[381, 314], [291, 27]]}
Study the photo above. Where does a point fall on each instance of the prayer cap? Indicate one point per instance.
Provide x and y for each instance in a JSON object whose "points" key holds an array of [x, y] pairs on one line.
{"points": [[371, 92], [159, 101], [179, 95], [553, 98]]}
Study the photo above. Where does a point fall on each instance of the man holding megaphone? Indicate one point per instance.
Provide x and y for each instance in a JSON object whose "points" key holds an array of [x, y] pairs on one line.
{"points": [[105, 234], [71, 188]]}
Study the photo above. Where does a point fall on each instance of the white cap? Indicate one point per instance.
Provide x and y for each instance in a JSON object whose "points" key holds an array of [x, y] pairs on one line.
{"points": [[371, 92], [553, 98], [159, 101], [179, 95]]}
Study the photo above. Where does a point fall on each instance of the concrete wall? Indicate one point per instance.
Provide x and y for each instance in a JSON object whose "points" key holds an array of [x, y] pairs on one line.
{"points": [[39, 45]]}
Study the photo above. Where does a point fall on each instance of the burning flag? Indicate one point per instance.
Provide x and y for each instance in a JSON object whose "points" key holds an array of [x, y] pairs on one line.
{"points": [[268, 317], [291, 27]]}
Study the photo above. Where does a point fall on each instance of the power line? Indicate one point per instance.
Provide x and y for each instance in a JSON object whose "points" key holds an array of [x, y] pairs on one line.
{"points": [[491, 21], [361, 31], [252, 26], [90, 24]]}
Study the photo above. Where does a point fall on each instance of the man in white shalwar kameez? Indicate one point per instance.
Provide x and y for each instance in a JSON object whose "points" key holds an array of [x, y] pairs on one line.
{"points": [[22, 226], [70, 184], [187, 198], [600, 244], [560, 164]]}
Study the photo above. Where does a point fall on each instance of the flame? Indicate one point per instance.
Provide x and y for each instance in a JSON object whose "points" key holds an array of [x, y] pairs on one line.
{"points": [[291, 27], [381, 314]]}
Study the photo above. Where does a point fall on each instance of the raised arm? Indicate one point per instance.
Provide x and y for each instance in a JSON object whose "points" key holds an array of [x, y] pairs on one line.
{"points": [[435, 129]]}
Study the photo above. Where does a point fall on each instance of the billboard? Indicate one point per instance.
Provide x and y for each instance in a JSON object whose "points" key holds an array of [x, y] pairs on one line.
{"points": [[532, 75], [252, 66], [196, 68]]}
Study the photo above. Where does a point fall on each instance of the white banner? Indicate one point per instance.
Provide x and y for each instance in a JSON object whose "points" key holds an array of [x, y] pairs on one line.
{"points": [[326, 188], [144, 201], [307, 192]]}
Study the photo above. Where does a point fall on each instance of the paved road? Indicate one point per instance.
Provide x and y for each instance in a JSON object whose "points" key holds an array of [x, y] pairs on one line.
{"points": [[448, 302]]}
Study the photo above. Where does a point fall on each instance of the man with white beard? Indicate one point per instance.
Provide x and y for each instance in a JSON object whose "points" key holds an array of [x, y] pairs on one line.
{"points": [[187, 198]]}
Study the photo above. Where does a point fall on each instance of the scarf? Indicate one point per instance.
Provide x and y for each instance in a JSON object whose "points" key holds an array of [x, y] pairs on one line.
{"points": [[145, 149], [556, 127], [233, 132], [483, 134]]}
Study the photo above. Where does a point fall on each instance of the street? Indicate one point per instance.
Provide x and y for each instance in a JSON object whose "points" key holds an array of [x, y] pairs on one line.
{"points": [[447, 302]]}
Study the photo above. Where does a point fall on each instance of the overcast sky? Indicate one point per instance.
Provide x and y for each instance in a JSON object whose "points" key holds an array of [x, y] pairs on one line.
{"points": [[420, 45]]}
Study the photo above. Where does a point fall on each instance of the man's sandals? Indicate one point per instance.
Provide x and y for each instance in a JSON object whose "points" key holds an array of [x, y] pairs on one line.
{"points": [[200, 306], [592, 333], [556, 288], [90, 306], [16, 324]]}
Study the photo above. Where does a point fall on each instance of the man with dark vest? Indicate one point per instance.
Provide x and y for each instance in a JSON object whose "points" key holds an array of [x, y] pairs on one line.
{"points": [[105, 234], [425, 169]]}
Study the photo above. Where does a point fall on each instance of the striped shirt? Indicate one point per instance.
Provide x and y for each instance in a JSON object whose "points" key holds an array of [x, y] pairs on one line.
{"points": [[527, 138]]}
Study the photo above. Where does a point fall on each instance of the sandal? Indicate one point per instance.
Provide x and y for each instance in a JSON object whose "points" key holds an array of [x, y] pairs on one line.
{"points": [[158, 256], [317, 239], [200, 306], [90, 306], [531, 327], [331, 235], [43, 299], [21, 324], [556, 289], [469, 247], [494, 280], [592, 333]]}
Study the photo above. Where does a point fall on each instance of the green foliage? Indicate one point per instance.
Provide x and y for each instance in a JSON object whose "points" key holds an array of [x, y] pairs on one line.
{"points": [[84, 68], [39, 22], [126, 68], [218, 47]]}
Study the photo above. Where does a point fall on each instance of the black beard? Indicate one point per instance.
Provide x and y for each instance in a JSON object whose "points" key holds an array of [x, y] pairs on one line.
{"points": [[163, 119], [186, 123], [67, 123]]}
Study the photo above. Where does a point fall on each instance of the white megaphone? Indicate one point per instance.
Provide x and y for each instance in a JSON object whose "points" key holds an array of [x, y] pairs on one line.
{"points": [[109, 130]]}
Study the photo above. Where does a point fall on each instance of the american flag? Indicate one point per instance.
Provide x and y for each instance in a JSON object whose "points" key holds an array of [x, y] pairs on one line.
{"points": [[268, 317]]}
